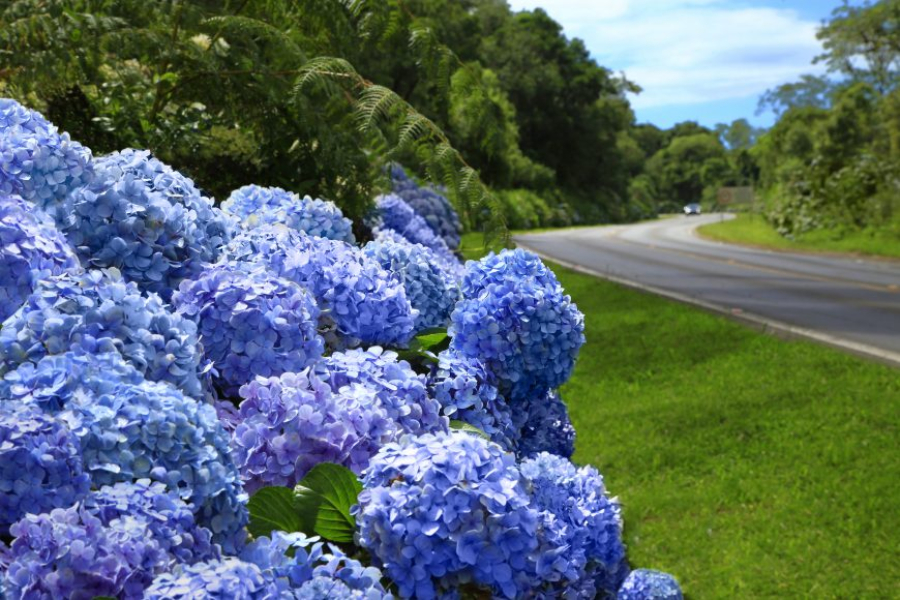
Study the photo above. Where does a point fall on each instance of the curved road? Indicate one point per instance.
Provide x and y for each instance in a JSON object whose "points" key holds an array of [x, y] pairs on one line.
{"points": [[847, 302]]}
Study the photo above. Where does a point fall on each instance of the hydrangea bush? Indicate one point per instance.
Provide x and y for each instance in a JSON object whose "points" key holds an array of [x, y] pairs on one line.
{"points": [[254, 205], [97, 312], [432, 206], [125, 473], [251, 323], [31, 248], [145, 219], [36, 161]]}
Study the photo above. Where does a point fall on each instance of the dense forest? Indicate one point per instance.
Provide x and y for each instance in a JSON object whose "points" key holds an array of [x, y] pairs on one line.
{"points": [[519, 123]]}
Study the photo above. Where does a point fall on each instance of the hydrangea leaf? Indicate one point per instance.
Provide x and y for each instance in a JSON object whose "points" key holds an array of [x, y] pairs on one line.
{"points": [[323, 499], [272, 508], [465, 427], [434, 340]]}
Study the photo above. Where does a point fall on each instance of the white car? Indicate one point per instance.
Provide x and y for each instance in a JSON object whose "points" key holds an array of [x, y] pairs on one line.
{"points": [[692, 209]]}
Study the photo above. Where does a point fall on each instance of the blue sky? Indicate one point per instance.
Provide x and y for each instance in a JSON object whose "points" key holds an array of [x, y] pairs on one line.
{"points": [[700, 60]]}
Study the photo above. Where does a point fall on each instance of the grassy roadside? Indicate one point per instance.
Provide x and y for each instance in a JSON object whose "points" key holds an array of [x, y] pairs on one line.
{"points": [[747, 466], [753, 230]]}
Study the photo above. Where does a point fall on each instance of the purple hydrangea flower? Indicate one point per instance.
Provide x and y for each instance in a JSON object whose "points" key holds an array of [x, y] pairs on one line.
{"points": [[647, 584], [31, 248], [36, 161], [255, 206], [97, 312], [168, 518], [228, 579], [40, 463], [362, 301], [467, 392], [251, 323], [580, 516], [71, 553], [306, 567], [542, 425], [431, 205], [443, 510], [430, 289], [514, 316], [289, 424], [395, 214], [149, 221], [398, 389]]}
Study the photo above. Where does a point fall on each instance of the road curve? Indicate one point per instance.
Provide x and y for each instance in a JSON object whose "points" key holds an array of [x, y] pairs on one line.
{"points": [[847, 302]]}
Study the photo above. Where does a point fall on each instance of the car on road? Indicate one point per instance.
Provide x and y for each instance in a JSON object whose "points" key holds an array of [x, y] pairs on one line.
{"points": [[692, 209]]}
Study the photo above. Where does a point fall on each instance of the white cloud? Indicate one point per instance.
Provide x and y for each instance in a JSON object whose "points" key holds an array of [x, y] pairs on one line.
{"points": [[685, 52]]}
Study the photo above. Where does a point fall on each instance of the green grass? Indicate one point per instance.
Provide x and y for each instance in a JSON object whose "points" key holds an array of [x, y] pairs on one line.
{"points": [[748, 466], [753, 230]]}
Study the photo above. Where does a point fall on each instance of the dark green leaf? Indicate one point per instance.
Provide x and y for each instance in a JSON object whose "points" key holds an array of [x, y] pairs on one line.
{"points": [[433, 339], [463, 426], [323, 500], [272, 508]]}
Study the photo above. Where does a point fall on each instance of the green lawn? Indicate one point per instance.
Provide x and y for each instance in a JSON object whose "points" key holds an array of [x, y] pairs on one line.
{"points": [[747, 466], [755, 231]]}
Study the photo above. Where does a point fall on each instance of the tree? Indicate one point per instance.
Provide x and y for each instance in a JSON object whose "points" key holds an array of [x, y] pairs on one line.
{"points": [[810, 92]]}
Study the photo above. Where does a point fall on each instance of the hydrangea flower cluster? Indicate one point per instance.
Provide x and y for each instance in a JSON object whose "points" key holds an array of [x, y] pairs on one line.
{"points": [[467, 392], [543, 425], [40, 463], [399, 390], [432, 206], [580, 516], [140, 216], [251, 323], [96, 312], [288, 424], [36, 161], [450, 266], [131, 429], [31, 248], [255, 205], [71, 553], [230, 578], [442, 510], [430, 290], [514, 316], [395, 214], [168, 518], [365, 303], [647, 584], [304, 565]]}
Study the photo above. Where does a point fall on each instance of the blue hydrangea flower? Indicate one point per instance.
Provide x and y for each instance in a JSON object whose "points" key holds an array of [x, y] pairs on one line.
{"points": [[71, 553], [395, 214], [431, 205], [97, 312], [168, 518], [131, 429], [542, 424], [451, 269], [251, 323], [398, 389], [359, 300], [306, 567], [443, 510], [228, 579], [467, 392], [40, 463], [647, 584], [514, 316], [255, 205], [289, 424], [36, 161], [31, 248], [140, 216], [430, 289], [580, 516]]}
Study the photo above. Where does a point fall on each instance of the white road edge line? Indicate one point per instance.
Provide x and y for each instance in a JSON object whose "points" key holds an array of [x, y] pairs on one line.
{"points": [[760, 323]]}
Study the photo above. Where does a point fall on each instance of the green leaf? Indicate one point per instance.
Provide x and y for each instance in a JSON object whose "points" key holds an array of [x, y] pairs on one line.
{"points": [[434, 340], [273, 508], [323, 499], [463, 426]]}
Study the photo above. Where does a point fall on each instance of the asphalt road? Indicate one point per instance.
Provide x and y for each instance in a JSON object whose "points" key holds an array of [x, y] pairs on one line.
{"points": [[849, 302]]}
